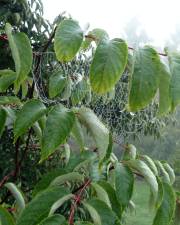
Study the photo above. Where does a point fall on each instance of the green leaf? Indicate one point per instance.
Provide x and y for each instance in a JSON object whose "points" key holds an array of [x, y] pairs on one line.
{"points": [[79, 92], [96, 35], [66, 94], [17, 195], [54, 220], [176, 220], [151, 164], [129, 152], [124, 182], [57, 82], [68, 39], [116, 207], [59, 203], [174, 63], [8, 100], [96, 128], [7, 77], [148, 175], [163, 172], [39, 207], [165, 212], [3, 116], [101, 193], [170, 172], [71, 177], [47, 179], [5, 217], [108, 65], [164, 91], [58, 126], [145, 78], [21, 53], [77, 133], [100, 212], [27, 116]]}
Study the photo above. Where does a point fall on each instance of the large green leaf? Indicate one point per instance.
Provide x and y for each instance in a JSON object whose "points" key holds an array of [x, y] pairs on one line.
{"points": [[174, 63], [100, 212], [8, 100], [116, 207], [3, 116], [17, 195], [7, 77], [57, 82], [148, 175], [96, 128], [5, 217], [54, 220], [38, 209], [166, 210], [108, 65], [124, 182], [58, 126], [27, 116], [21, 52], [46, 179], [164, 91], [68, 39], [145, 78]]}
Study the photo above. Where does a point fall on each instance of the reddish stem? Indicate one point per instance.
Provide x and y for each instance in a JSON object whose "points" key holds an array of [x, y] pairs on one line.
{"points": [[77, 201]]}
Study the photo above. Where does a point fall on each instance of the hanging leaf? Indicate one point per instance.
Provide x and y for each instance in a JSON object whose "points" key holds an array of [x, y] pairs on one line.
{"points": [[68, 39], [27, 116], [7, 77], [164, 91], [39, 207], [17, 195], [101, 214], [3, 116], [170, 172], [58, 126], [166, 210], [124, 182], [163, 172], [101, 193], [129, 152], [5, 217], [21, 53], [59, 203], [57, 82], [145, 78], [66, 94], [108, 65], [54, 220], [151, 164], [174, 63], [148, 175], [116, 207], [96, 128]]}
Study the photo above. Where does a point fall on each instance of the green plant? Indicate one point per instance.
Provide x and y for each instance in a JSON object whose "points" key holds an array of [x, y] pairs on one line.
{"points": [[91, 186]]}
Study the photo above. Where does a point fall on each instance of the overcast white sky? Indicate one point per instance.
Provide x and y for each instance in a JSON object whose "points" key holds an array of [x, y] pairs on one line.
{"points": [[158, 17]]}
